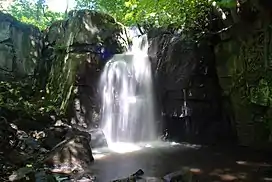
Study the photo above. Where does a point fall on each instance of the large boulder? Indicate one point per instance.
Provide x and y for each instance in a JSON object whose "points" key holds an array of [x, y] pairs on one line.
{"points": [[20, 48], [70, 148], [185, 71], [76, 50], [72, 154]]}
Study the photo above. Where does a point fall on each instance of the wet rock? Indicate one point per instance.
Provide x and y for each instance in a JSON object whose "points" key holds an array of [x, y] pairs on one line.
{"points": [[84, 177], [8, 136], [53, 136], [246, 111], [185, 71], [20, 174], [180, 176], [98, 138], [14, 157], [72, 154], [177, 176], [29, 144], [68, 147], [80, 46], [20, 48], [134, 177]]}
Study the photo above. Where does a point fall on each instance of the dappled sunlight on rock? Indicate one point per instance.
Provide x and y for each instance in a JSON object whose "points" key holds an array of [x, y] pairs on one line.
{"points": [[20, 47], [75, 153], [90, 27], [75, 50]]}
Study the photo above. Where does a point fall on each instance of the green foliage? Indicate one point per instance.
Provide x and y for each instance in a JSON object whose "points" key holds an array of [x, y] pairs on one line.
{"points": [[261, 93], [227, 3], [86, 4], [191, 14], [35, 13], [23, 98], [186, 13]]}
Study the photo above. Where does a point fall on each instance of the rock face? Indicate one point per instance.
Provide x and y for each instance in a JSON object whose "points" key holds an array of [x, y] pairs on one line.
{"points": [[244, 70], [20, 48], [246, 85], [185, 70], [77, 48], [73, 52]]}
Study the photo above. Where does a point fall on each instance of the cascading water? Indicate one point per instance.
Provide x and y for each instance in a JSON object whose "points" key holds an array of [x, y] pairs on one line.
{"points": [[127, 96]]}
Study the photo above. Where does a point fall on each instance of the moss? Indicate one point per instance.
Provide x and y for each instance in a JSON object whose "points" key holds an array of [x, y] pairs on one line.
{"points": [[83, 31], [245, 76]]}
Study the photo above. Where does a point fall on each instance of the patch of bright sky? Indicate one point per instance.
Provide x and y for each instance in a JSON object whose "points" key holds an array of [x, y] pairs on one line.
{"points": [[60, 5]]}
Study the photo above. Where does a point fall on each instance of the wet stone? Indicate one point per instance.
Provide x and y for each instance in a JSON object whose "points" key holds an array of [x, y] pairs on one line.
{"points": [[98, 139]]}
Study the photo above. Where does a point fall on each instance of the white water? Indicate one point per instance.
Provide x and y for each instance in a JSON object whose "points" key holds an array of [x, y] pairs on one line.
{"points": [[127, 97]]}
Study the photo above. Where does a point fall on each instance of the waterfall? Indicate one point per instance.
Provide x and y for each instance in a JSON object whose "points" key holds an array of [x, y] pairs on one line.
{"points": [[126, 90]]}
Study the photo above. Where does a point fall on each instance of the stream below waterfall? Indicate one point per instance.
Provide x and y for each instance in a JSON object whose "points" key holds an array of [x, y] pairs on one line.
{"points": [[207, 163], [129, 123]]}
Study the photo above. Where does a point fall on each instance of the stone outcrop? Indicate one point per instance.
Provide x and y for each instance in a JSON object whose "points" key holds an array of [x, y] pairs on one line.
{"points": [[185, 70], [20, 48], [73, 153], [246, 89], [69, 55], [244, 68], [76, 49]]}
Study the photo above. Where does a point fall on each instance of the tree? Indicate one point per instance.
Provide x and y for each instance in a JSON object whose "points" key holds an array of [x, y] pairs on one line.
{"points": [[34, 12], [191, 14]]}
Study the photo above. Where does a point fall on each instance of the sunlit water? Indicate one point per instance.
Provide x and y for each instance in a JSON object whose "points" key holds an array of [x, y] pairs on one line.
{"points": [[125, 148], [127, 98], [155, 158]]}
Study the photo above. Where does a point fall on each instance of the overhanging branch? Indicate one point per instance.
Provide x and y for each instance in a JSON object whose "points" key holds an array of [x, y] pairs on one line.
{"points": [[222, 30]]}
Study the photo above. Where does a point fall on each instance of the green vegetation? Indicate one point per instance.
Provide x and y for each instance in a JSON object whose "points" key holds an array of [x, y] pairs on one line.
{"points": [[181, 14], [252, 83], [192, 15], [195, 16], [34, 12], [244, 48], [23, 98], [185, 14]]}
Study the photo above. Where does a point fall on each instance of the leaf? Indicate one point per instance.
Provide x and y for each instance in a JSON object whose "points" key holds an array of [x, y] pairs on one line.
{"points": [[128, 4], [227, 3], [154, 12], [128, 16]]}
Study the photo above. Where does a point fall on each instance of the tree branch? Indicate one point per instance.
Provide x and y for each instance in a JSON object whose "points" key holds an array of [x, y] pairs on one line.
{"points": [[222, 30], [139, 28]]}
